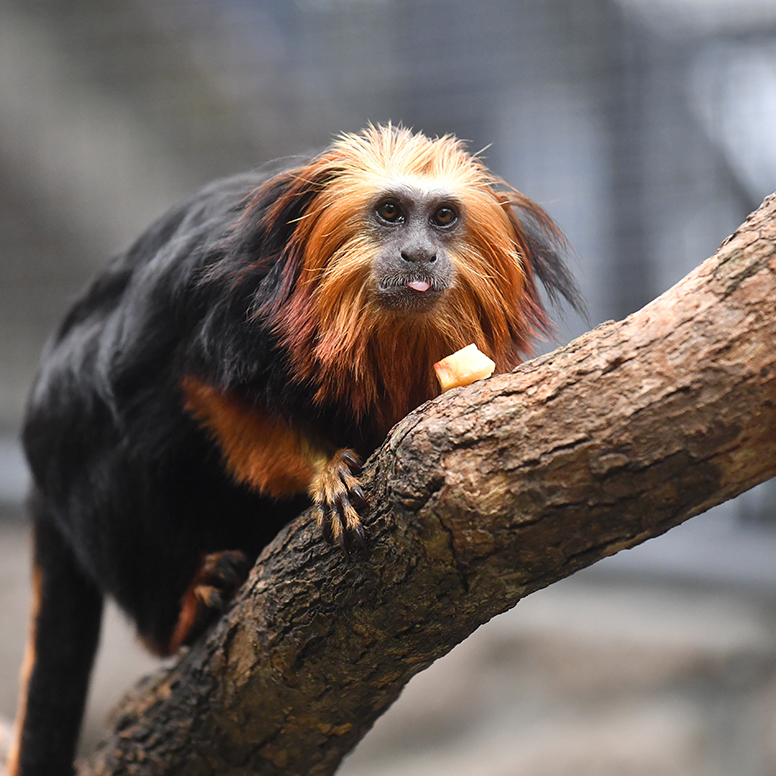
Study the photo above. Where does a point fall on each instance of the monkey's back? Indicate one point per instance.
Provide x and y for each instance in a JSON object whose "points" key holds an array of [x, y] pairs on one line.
{"points": [[126, 475]]}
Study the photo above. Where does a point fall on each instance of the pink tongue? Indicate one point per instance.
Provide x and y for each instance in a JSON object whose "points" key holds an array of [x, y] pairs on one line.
{"points": [[419, 285]]}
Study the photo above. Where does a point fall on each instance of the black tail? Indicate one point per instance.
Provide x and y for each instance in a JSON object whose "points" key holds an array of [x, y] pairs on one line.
{"points": [[63, 638]]}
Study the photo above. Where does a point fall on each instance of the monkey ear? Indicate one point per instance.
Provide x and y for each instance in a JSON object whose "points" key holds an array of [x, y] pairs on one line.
{"points": [[544, 249]]}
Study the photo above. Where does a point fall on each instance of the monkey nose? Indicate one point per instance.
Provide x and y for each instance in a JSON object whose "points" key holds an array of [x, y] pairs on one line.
{"points": [[418, 256]]}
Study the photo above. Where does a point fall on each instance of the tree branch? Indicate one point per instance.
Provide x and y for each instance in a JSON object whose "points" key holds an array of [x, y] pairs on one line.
{"points": [[478, 498]]}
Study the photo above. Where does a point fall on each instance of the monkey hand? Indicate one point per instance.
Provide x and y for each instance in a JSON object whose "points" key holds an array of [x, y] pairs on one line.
{"points": [[338, 496]]}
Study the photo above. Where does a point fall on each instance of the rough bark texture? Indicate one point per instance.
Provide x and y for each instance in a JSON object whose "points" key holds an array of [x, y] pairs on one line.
{"points": [[478, 498]]}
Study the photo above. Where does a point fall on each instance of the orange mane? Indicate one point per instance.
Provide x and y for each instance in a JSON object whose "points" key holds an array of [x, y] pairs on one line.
{"points": [[358, 354]]}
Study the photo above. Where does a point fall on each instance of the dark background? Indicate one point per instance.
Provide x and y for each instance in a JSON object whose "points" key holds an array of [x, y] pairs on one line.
{"points": [[645, 127]]}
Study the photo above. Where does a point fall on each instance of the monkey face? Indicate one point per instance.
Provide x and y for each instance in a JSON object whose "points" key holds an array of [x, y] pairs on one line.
{"points": [[415, 230]]}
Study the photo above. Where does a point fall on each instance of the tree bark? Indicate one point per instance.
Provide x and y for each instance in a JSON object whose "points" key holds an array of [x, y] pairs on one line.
{"points": [[478, 498]]}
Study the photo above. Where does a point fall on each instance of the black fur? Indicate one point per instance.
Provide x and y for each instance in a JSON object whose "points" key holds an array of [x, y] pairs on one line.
{"points": [[120, 469], [129, 492]]}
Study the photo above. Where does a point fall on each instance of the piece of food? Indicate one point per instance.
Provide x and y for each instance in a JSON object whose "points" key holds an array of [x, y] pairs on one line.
{"points": [[463, 367]]}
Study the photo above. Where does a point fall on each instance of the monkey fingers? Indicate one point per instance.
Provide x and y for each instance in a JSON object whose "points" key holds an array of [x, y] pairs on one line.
{"points": [[218, 578], [338, 496]]}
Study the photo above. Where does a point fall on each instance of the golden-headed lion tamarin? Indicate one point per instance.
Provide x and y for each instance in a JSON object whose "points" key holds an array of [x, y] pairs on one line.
{"points": [[241, 358]]}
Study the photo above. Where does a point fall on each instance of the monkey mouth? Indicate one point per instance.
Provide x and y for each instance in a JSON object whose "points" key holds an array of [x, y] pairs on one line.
{"points": [[413, 294]]}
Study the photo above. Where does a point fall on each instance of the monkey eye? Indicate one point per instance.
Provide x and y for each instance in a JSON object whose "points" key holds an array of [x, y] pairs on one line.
{"points": [[444, 216], [389, 211]]}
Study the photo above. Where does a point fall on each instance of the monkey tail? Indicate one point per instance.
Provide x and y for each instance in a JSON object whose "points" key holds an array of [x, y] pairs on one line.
{"points": [[64, 631]]}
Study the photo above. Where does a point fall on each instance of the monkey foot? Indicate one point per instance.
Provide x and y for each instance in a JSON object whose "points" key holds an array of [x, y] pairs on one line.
{"points": [[338, 496], [216, 582]]}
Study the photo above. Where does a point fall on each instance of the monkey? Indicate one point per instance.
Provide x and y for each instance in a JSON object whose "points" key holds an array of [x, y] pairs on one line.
{"points": [[236, 364]]}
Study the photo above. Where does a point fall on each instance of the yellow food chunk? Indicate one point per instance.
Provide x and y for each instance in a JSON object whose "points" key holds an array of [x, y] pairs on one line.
{"points": [[463, 367]]}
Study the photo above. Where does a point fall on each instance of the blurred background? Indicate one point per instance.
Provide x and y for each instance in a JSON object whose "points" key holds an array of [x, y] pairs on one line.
{"points": [[647, 128]]}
